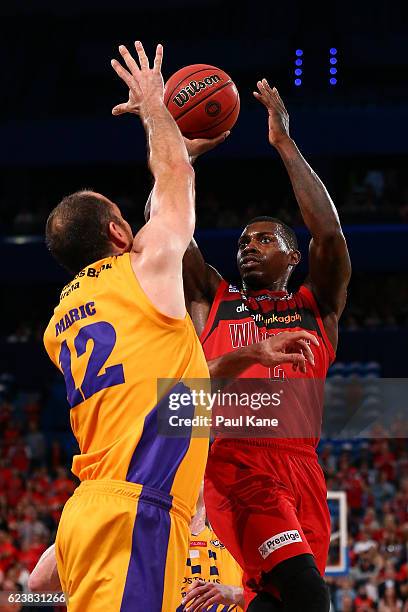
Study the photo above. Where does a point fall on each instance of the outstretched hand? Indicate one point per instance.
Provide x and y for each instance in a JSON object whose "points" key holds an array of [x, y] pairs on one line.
{"points": [[278, 116], [287, 347], [146, 87]]}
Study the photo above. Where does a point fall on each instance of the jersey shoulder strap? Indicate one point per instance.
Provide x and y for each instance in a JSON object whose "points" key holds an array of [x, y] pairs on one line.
{"points": [[223, 288], [310, 301]]}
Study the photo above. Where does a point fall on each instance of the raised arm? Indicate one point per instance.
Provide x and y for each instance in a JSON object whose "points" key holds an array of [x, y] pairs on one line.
{"points": [[201, 280], [329, 262], [159, 246]]}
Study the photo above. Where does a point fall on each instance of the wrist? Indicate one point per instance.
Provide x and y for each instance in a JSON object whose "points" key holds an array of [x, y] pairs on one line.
{"points": [[151, 107], [284, 143], [250, 354], [238, 596]]}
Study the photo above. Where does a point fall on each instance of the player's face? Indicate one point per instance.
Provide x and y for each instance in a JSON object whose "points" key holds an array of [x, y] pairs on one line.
{"points": [[263, 254]]}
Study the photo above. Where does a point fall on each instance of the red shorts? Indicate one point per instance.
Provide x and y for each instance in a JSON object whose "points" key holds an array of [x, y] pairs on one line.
{"points": [[266, 501]]}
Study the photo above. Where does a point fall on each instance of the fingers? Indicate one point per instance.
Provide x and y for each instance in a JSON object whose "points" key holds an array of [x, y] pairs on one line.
{"points": [[195, 590], [306, 350], [272, 93], [210, 602], [143, 60], [158, 58], [221, 137], [300, 335], [296, 359], [120, 109], [129, 60], [122, 73], [201, 595], [206, 144], [278, 96]]}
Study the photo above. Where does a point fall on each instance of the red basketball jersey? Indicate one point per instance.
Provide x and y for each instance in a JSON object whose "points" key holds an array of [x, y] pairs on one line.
{"points": [[238, 319]]}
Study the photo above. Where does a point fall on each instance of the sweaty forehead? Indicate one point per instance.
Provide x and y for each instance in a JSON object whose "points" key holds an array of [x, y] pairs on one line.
{"points": [[262, 227]]}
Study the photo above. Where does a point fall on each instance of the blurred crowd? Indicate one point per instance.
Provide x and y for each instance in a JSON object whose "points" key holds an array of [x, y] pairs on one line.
{"points": [[35, 482], [375, 302], [228, 194], [374, 475]]}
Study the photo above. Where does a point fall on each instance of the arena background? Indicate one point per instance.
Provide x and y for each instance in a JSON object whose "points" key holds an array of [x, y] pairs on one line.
{"points": [[58, 135]]}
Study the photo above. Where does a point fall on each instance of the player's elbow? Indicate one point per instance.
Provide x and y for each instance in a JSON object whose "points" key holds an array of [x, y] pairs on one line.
{"points": [[179, 169], [36, 582], [331, 234], [181, 233]]}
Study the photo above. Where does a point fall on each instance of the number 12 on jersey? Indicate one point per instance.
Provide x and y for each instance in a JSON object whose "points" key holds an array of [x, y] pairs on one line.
{"points": [[103, 335]]}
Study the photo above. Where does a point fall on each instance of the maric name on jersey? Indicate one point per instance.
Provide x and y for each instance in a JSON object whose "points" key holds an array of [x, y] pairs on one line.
{"points": [[75, 314], [194, 87]]}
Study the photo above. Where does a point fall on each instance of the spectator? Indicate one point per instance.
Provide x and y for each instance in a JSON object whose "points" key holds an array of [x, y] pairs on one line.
{"points": [[363, 603], [343, 594], [390, 602], [35, 441]]}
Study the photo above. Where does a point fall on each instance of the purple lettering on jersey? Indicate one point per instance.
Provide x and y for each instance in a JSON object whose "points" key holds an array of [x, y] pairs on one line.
{"points": [[60, 327], [90, 308], [75, 314]]}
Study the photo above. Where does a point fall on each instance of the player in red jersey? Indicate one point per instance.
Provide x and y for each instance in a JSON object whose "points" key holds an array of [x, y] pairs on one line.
{"points": [[266, 497]]}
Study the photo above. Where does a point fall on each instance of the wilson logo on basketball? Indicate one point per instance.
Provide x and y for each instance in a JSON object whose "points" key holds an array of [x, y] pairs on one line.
{"points": [[193, 88]]}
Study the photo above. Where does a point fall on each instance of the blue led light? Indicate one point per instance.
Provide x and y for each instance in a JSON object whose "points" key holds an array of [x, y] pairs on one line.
{"points": [[298, 82], [298, 71], [299, 52], [333, 81], [333, 70], [333, 51], [333, 60], [298, 62]]}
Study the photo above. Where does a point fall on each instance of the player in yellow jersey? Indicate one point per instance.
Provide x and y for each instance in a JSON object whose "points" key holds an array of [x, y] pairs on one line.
{"points": [[212, 578], [121, 325]]}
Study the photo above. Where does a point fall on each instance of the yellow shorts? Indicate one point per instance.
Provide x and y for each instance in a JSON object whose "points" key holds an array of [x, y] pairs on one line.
{"points": [[122, 547]]}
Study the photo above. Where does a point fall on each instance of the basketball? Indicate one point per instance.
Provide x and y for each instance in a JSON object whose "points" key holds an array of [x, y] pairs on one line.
{"points": [[203, 100]]}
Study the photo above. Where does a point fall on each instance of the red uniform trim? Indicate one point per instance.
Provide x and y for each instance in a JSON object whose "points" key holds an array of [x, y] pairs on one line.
{"points": [[308, 295], [213, 311]]}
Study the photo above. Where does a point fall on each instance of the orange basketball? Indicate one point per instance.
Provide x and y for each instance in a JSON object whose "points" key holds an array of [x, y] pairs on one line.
{"points": [[203, 100]]}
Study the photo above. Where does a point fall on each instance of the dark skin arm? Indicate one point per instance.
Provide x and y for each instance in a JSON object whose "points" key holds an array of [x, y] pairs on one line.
{"points": [[329, 261], [201, 282]]}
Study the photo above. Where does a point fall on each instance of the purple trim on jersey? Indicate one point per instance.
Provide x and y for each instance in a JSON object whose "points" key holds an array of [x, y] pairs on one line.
{"points": [[144, 585], [213, 608], [156, 458]]}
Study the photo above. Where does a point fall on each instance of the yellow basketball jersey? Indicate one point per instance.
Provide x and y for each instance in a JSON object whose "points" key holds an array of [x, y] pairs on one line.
{"points": [[209, 560], [112, 345]]}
